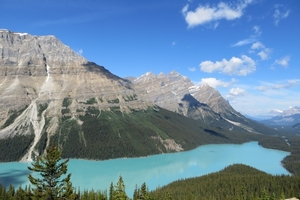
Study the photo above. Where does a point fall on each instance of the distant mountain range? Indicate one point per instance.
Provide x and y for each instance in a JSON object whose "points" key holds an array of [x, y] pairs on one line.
{"points": [[50, 94], [287, 120]]}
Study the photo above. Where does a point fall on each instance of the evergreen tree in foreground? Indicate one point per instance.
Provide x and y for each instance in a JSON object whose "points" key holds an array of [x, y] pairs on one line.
{"points": [[118, 193], [50, 184]]}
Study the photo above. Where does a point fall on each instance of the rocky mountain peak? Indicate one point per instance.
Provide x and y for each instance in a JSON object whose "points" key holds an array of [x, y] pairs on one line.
{"points": [[41, 72], [32, 55], [177, 93], [50, 93]]}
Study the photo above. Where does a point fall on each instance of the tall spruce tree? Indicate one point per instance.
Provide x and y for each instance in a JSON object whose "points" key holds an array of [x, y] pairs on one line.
{"points": [[119, 191], [50, 183]]}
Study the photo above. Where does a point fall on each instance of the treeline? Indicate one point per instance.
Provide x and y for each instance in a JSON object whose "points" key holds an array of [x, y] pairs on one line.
{"points": [[107, 134], [236, 182], [292, 162], [288, 143], [14, 148], [113, 134]]}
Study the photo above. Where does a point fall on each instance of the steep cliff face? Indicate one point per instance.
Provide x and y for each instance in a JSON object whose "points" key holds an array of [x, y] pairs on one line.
{"points": [[41, 79], [215, 101], [177, 93], [171, 91], [49, 93]]}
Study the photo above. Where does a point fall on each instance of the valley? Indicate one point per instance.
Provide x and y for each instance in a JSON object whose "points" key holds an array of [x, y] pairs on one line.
{"points": [[50, 94]]}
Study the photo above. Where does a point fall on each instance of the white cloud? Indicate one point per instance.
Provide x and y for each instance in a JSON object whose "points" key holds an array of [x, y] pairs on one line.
{"points": [[185, 9], [235, 66], [206, 13], [174, 43], [251, 39], [257, 30], [264, 53], [235, 92], [192, 69], [251, 101], [280, 14], [213, 82], [283, 61], [244, 42], [278, 86], [257, 45], [249, 105]]}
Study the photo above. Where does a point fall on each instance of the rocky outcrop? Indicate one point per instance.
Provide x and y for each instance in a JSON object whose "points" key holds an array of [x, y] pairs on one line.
{"points": [[171, 91], [39, 74], [44, 70], [50, 93], [177, 93]]}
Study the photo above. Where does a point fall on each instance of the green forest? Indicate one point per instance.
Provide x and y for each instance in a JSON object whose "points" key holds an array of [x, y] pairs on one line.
{"points": [[132, 135], [237, 181], [113, 134]]}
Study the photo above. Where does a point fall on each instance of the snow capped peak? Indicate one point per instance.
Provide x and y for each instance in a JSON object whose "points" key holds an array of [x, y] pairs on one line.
{"points": [[284, 113], [7, 31], [21, 34], [291, 111], [4, 30], [277, 110]]}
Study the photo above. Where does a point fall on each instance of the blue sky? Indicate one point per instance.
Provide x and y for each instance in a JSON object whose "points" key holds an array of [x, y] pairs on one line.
{"points": [[249, 50]]}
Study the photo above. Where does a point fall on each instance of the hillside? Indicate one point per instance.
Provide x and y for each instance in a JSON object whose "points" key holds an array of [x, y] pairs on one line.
{"points": [[178, 93], [49, 93], [234, 182]]}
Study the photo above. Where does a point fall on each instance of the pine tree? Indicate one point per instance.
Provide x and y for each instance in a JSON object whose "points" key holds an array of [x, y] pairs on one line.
{"points": [[111, 191], [119, 191], [144, 192], [282, 196], [50, 184], [136, 193]]}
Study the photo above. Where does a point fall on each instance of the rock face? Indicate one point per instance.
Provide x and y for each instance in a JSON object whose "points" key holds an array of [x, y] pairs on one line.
{"points": [[50, 93], [41, 71], [171, 91], [177, 93]]}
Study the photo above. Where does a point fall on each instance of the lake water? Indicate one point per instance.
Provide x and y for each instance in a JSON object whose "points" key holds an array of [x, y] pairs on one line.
{"points": [[157, 170]]}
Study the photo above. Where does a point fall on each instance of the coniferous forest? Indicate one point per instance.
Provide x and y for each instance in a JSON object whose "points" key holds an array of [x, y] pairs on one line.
{"points": [[234, 182]]}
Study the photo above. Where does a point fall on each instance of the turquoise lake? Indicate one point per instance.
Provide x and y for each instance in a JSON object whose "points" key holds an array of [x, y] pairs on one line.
{"points": [[157, 170]]}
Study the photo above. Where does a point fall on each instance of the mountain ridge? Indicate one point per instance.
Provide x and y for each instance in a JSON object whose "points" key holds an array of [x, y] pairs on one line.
{"points": [[177, 93], [49, 93], [288, 120]]}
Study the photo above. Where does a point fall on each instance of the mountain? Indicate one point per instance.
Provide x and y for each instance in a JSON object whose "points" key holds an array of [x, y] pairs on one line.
{"points": [[177, 93], [287, 120], [42, 80], [50, 94]]}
